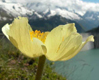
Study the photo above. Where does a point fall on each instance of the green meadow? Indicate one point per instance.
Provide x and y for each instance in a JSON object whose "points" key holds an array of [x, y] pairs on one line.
{"points": [[15, 66]]}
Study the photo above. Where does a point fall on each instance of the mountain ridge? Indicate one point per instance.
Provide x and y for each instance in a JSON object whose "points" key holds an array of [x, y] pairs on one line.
{"points": [[12, 10]]}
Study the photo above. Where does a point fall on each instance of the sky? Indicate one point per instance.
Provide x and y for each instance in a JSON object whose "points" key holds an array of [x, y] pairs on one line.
{"points": [[94, 1]]}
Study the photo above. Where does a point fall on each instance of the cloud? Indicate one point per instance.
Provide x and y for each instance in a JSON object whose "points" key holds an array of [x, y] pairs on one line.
{"points": [[78, 6]]}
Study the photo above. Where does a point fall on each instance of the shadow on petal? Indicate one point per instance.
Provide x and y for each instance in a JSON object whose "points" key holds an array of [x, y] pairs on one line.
{"points": [[13, 41]]}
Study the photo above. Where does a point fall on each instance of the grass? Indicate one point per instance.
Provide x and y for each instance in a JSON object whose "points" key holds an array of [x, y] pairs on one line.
{"points": [[15, 66]]}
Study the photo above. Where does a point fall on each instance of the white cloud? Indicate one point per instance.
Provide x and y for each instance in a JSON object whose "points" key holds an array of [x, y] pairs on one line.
{"points": [[78, 6]]}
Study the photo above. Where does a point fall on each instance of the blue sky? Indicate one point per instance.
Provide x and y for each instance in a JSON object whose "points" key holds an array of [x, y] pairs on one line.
{"points": [[95, 1]]}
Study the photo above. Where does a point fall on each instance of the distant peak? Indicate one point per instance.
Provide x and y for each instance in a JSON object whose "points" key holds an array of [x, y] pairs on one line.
{"points": [[48, 11]]}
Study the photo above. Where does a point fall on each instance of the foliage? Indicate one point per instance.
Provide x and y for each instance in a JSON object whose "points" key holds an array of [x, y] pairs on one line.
{"points": [[14, 65]]}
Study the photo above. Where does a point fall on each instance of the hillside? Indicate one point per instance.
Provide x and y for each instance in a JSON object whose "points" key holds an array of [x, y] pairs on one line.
{"points": [[50, 23], [95, 32]]}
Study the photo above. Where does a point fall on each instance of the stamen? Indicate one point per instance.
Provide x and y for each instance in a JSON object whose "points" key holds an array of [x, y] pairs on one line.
{"points": [[38, 34]]}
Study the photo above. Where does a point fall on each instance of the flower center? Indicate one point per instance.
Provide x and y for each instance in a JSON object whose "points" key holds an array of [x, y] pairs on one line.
{"points": [[38, 34]]}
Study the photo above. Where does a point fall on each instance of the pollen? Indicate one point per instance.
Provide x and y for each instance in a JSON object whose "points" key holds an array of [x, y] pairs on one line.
{"points": [[38, 34]]}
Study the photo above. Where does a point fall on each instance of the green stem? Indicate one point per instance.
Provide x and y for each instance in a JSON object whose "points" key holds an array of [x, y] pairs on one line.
{"points": [[42, 60]]}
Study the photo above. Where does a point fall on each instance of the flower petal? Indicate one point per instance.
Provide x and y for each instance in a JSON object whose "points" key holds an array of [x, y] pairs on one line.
{"points": [[56, 36], [68, 29], [18, 34], [90, 38], [66, 48], [6, 30]]}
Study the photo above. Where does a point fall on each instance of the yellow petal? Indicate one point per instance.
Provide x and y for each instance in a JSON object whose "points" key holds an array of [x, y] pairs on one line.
{"points": [[67, 47], [68, 29], [18, 34], [6, 30], [90, 38], [56, 36]]}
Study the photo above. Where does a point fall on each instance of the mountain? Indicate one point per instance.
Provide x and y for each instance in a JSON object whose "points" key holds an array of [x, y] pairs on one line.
{"points": [[8, 11], [49, 12], [88, 19], [95, 32], [43, 21], [14, 9], [43, 17], [51, 22]]}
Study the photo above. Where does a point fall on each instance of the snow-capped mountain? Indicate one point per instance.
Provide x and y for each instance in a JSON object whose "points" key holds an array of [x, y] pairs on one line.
{"points": [[36, 10], [87, 19], [50, 12], [62, 12], [90, 19], [15, 9], [8, 11]]}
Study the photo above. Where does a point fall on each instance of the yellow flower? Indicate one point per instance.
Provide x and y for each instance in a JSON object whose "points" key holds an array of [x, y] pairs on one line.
{"points": [[62, 43]]}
